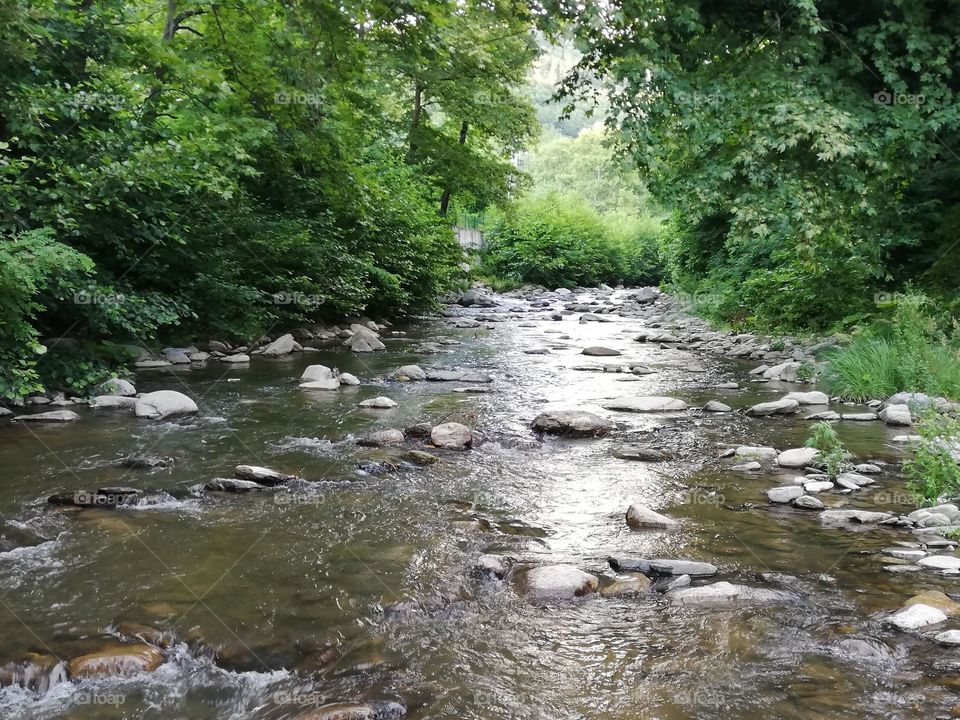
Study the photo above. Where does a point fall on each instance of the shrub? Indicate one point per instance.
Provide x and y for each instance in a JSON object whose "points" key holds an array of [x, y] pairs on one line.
{"points": [[933, 470], [559, 241], [833, 454]]}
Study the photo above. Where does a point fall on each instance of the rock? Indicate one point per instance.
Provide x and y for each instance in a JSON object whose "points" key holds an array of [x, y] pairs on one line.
{"points": [[53, 416], [785, 371], [918, 401], [148, 363], [784, 493], [668, 583], [419, 457], [236, 359], [420, 430], [146, 462], [717, 407], [747, 467], [350, 711], [641, 516], [283, 345], [492, 565], [860, 417], [631, 586], [797, 457], [826, 416], [475, 298], [348, 379], [940, 562], [233, 485], [473, 376], [868, 469], [331, 383], [365, 341], [115, 386], [451, 436], [119, 402], [313, 373], [817, 486], [948, 637], [662, 566], [600, 351], [572, 423], [4, 412], [948, 509], [115, 661], [199, 357], [217, 346], [381, 438], [548, 582], [164, 403], [898, 415], [378, 403], [806, 502], [262, 475], [758, 452], [176, 356], [777, 407], [813, 397], [856, 478], [936, 599], [915, 617], [721, 593], [645, 404], [635, 452], [854, 516], [409, 372]]}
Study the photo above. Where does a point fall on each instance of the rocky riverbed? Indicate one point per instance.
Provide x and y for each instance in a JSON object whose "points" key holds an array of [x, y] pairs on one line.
{"points": [[546, 504]]}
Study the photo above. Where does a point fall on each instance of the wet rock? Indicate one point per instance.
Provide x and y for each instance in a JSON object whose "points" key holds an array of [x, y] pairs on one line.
{"points": [[797, 457], [409, 372], [13, 537], [475, 298], [915, 617], [817, 486], [420, 430], [364, 342], [419, 457], [549, 582], [283, 345], [641, 516], [856, 478], [898, 415], [332, 383], [313, 373], [668, 583], [759, 453], [199, 357], [860, 417], [936, 599], [784, 371], [378, 403], [918, 401], [868, 469], [635, 452], [353, 711], [377, 467], [805, 502], [236, 359], [115, 386], [599, 351], [107, 498], [468, 376], [662, 566], [145, 634], [146, 462], [53, 416], [948, 637], [716, 406], [262, 475], [784, 493], [164, 403], [233, 485], [451, 436], [176, 356], [348, 379], [113, 402], [571, 423], [116, 661], [940, 562], [722, 593], [645, 404], [36, 672], [854, 516], [381, 438], [777, 407], [639, 585], [864, 649], [492, 566], [148, 363], [813, 397]]}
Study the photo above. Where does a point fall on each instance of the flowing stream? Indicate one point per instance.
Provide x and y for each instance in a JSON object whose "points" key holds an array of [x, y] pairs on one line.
{"points": [[276, 605]]}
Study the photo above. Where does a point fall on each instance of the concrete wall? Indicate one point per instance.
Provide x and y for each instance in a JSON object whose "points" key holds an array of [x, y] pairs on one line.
{"points": [[469, 238]]}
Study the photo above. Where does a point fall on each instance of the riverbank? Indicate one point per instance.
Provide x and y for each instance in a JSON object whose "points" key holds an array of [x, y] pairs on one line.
{"points": [[399, 564]]}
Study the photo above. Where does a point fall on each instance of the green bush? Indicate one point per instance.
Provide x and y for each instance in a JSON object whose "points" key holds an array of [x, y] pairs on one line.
{"points": [[560, 241], [933, 470], [833, 454], [912, 352]]}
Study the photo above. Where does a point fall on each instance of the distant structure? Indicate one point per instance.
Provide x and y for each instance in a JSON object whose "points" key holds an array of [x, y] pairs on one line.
{"points": [[469, 238]]}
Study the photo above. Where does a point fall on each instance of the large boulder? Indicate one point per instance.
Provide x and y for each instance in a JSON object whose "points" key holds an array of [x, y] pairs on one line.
{"points": [[572, 423], [797, 457], [783, 494], [814, 397], [332, 383], [364, 341], [283, 345], [409, 372], [316, 372], [378, 403], [645, 404], [641, 516], [784, 371], [115, 386], [777, 407], [380, 438], [475, 298], [451, 436], [117, 402], [163, 403], [896, 415], [551, 582]]}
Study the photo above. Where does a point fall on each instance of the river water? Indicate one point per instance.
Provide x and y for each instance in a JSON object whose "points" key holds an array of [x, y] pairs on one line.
{"points": [[276, 604]]}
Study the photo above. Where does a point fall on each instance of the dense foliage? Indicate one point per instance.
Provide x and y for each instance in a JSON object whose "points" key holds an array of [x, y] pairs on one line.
{"points": [[196, 167], [933, 469], [561, 241], [806, 146]]}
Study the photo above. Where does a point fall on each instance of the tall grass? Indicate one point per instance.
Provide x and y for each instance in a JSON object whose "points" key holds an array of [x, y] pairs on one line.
{"points": [[911, 352]]}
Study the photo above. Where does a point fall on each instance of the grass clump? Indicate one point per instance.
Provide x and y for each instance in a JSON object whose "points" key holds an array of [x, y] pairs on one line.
{"points": [[833, 455], [933, 470]]}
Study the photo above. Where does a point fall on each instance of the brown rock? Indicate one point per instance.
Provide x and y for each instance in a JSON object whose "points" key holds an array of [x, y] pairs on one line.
{"points": [[116, 660], [935, 598]]}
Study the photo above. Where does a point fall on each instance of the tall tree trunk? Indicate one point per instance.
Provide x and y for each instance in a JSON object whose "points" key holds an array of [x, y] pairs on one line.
{"points": [[445, 198], [414, 122]]}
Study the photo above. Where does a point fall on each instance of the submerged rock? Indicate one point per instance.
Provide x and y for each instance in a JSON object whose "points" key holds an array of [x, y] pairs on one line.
{"points": [[409, 372], [635, 452], [233, 485], [451, 436], [262, 475], [381, 438], [573, 423], [378, 403], [645, 404], [492, 565], [550, 582], [638, 585], [53, 416], [116, 661], [721, 593]]}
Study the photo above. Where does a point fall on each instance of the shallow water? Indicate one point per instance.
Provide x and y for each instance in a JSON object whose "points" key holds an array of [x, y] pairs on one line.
{"points": [[290, 589]]}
